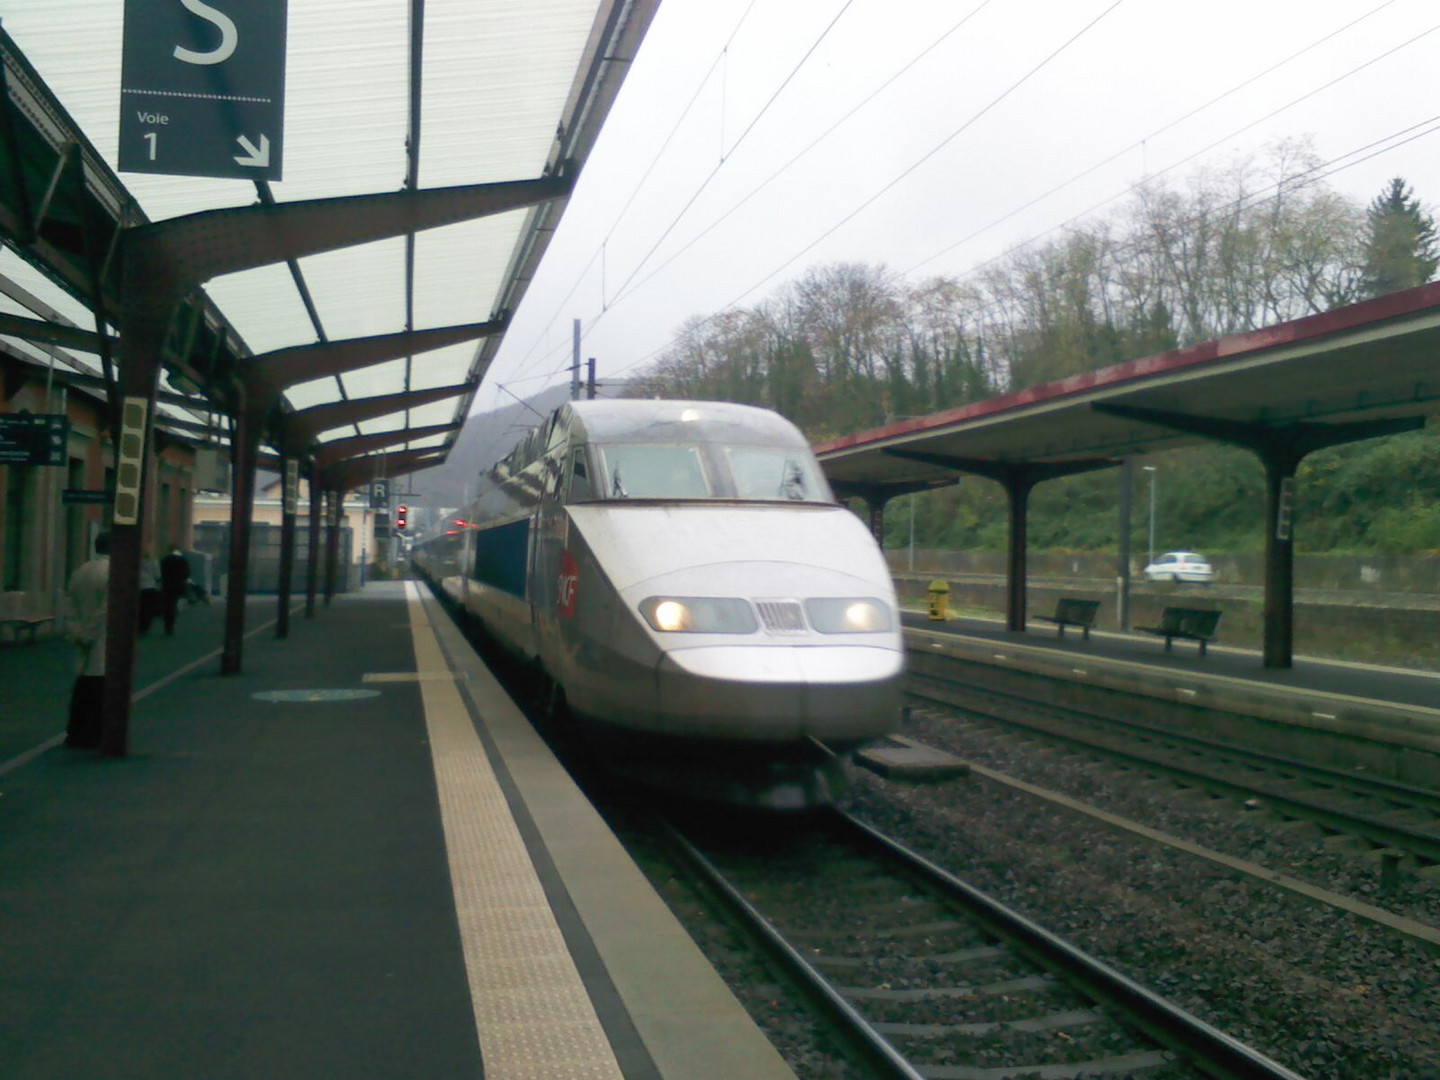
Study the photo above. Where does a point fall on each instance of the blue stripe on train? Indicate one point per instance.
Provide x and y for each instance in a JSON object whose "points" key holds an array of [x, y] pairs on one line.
{"points": [[500, 554]]}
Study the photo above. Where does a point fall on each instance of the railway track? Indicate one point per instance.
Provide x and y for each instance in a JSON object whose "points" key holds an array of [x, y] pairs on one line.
{"points": [[1394, 817], [924, 976]]}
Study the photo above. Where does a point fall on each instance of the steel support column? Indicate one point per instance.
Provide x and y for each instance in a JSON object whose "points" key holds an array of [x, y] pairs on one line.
{"points": [[1017, 478], [1280, 447], [875, 505], [290, 481], [148, 296], [1122, 567], [249, 425], [1279, 644], [312, 542], [332, 541], [1018, 485], [139, 379]]}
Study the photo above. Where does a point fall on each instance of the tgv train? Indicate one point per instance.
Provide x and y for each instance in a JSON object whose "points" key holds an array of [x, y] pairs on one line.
{"points": [[681, 574]]}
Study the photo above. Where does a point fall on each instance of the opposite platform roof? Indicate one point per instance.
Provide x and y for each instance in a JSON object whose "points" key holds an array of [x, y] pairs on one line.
{"points": [[381, 96], [1369, 362]]}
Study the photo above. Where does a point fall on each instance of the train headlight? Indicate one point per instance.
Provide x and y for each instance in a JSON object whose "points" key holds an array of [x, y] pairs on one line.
{"points": [[699, 615], [832, 615]]}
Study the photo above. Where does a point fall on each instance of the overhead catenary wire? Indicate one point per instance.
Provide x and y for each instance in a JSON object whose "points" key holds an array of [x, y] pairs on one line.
{"points": [[1314, 174], [934, 150], [1334, 166]]}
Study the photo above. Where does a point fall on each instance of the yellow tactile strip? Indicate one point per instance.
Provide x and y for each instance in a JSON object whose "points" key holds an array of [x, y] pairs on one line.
{"points": [[533, 1015]]}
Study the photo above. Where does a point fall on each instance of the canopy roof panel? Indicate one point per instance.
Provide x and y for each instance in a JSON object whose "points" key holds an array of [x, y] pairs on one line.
{"points": [[1375, 361], [508, 90]]}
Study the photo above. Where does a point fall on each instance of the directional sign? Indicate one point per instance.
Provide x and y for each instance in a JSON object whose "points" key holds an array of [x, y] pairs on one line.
{"points": [[202, 88], [34, 439]]}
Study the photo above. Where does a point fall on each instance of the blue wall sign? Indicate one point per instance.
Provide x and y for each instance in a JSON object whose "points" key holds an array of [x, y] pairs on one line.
{"points": [[202, 88]]}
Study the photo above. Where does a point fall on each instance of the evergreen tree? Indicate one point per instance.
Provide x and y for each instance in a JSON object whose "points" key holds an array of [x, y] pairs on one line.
{"points": [[1400, 248]]}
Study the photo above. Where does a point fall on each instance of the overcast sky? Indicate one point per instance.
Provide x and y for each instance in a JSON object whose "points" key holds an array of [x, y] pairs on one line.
{"points": [[1020, 98], [754, 139]]}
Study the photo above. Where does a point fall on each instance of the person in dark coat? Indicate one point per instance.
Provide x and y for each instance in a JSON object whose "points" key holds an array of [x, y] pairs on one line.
{"points": [[174, 573], [150, 601]]}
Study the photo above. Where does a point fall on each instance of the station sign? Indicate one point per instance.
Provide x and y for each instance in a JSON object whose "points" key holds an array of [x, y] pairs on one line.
{"points": [[202, 88], [84, 496], [34, 439]]}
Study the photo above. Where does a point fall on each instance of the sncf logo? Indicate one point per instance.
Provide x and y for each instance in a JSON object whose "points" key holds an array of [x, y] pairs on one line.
{"points": [[568, 585]]}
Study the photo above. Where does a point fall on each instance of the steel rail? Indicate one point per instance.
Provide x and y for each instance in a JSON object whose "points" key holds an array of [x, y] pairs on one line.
{"points": [[1424, 845], [873, 1047], [1205, 1047], [1365, 785]]}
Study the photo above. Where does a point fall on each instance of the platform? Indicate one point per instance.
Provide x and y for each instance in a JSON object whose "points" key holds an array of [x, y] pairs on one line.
{"points": [[1386, 719], [353, 860]]}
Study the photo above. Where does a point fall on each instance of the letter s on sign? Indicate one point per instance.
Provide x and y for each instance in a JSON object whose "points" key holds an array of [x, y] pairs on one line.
{"points": [[229, 36]]}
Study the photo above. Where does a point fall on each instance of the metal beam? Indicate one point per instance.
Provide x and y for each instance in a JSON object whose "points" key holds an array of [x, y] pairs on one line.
{"points": [[308, 423], [301, 363], [354, 472], [1300, 437], [332, 453], [48, 333], [1004, 471], [198, 247]]}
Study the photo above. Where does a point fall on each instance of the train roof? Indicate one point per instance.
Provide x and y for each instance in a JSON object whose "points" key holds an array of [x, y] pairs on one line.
{"points": [[640, 420]]}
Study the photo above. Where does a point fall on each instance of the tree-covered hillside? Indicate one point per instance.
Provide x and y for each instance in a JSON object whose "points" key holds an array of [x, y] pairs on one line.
{"points": [[847, 346]]}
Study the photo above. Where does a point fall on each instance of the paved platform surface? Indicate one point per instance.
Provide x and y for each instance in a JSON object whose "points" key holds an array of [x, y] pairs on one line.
{"points": [[1420, 689], [269, 885]]}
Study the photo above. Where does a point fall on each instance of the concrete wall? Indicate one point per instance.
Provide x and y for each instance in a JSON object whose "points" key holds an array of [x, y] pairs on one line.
{"points": [[1376, 573]]}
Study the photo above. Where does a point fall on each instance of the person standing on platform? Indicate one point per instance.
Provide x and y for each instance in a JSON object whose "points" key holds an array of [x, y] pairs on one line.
{"points": [[150, 600], [174, 573], [87, 595]]}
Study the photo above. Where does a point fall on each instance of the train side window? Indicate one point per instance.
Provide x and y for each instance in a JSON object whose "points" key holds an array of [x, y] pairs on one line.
{"points": [[559, 429], [580, 486]]}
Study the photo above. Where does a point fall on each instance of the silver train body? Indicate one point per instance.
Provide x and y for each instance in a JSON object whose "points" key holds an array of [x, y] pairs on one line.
{"points": [[681, 571]]}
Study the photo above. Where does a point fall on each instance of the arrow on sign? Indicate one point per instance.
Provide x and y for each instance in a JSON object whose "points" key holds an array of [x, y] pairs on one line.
{"points": [[255, 156]]}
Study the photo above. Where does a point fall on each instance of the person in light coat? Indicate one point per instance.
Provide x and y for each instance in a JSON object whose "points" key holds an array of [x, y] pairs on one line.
{"points": [[87, 595]]}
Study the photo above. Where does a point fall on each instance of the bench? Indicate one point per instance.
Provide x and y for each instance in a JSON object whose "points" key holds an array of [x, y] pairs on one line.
{"points": [[19, 616], [1192, 624], [1070, 612]]}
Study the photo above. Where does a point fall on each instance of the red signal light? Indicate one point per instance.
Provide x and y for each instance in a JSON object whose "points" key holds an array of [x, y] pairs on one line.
{"points": [[400, 515]]}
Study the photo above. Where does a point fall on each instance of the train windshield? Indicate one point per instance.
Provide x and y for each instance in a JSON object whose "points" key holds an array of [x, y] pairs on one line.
{"points": [[655, 472], [762, 472], [669, 471]]}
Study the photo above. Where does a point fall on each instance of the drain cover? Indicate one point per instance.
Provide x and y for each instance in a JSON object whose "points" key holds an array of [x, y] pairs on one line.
{"points": [[314, 695]]}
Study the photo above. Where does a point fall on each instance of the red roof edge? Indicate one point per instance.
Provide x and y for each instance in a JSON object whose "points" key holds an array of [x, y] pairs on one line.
{"points": [[1350, 317]]}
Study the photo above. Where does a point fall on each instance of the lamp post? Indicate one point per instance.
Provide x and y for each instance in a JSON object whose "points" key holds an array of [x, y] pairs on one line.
{"points": [[1151, 470]]}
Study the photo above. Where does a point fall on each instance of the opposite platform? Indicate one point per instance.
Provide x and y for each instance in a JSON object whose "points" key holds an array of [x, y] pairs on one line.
{"points": [[268, 885]]}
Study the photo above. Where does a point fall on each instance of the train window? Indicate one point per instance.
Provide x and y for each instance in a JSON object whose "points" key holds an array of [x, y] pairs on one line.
{"points": [[580, 486], [653, 471], [559, 428], [762, 472]]}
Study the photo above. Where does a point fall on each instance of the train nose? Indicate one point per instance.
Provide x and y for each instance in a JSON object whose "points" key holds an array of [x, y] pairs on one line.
{"points": [[782, 694]]}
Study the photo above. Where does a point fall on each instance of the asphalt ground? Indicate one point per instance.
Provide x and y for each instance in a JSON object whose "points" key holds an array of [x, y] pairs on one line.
{"points": [[260, 889]]}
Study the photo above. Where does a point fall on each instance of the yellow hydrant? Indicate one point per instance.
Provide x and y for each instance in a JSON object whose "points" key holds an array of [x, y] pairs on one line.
{"points": [[939, 599]]}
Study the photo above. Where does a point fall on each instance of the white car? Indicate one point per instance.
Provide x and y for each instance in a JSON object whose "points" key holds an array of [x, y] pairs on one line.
{"points": [[1181, 566]]}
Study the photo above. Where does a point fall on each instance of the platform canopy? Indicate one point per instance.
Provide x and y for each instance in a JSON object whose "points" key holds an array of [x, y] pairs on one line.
{"points": [[1373, 366], [382, 98]]}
